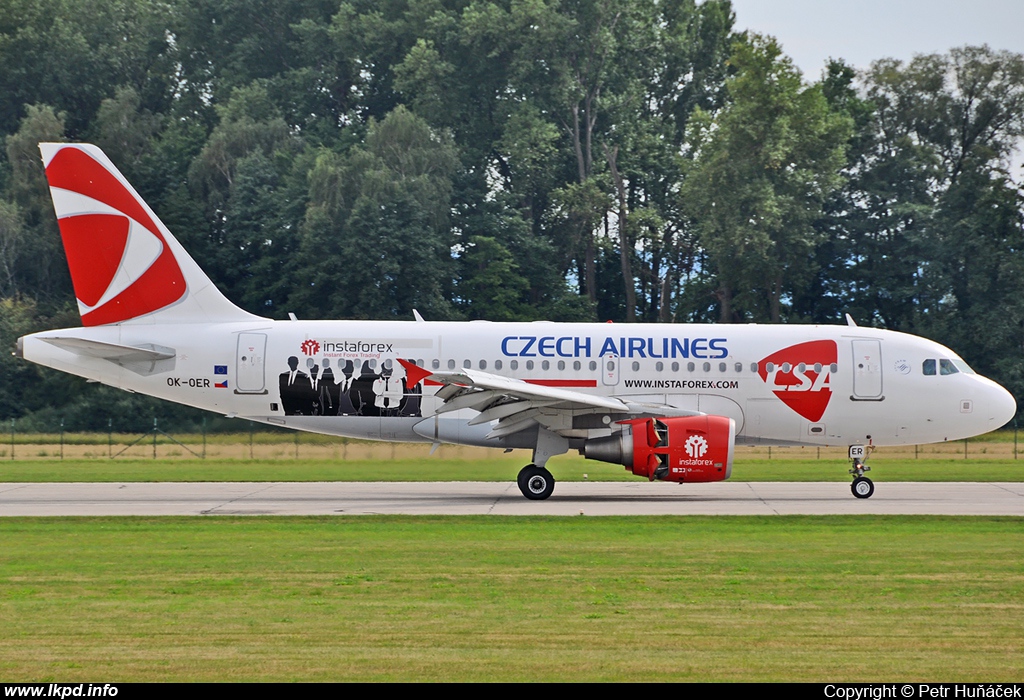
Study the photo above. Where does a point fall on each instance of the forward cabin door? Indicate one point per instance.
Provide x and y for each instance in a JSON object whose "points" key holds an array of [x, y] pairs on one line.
{"points": [[867, 370], [250, 376]]}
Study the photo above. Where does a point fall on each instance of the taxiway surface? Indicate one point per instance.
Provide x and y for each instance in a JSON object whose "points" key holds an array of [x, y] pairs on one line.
{"points": [[489, 498]]}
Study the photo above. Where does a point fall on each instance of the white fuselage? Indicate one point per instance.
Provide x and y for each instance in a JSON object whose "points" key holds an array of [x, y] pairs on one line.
{"points": [[782, 384]]}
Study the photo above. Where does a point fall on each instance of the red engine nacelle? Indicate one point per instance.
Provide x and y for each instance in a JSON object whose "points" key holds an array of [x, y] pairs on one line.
{"points": [[687, 448]]}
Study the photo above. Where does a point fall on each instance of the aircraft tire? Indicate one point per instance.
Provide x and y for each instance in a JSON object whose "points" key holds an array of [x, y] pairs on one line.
{"points": [[862, 487], [536, 483]]}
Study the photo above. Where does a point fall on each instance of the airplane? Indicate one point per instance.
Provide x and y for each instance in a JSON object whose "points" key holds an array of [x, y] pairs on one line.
{"points": [[668, 402]]}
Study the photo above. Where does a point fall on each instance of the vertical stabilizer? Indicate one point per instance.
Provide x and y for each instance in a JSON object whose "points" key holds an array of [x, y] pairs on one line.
{"points": [[126, 266]]}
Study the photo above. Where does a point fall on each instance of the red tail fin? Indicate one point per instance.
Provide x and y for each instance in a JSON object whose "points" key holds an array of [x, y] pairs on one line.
{"points": [[125, 264]]}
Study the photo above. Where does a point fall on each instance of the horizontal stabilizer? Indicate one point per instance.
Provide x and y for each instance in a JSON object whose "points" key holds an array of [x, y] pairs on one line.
{"points": [[143, 359]]}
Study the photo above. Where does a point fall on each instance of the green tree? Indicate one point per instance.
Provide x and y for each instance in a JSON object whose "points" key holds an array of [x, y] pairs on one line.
{"points": [[490, 284], [763, 167], [72, 54], [376, 241], [42, 266], [125, 130]]}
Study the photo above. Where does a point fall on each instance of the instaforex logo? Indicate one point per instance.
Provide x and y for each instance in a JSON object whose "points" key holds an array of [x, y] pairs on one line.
{"points": [[696, 446], [361, 347]]}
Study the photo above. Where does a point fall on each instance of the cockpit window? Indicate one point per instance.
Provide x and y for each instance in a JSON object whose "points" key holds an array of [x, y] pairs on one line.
{"points": [[928, 367], [947, 367], [963, 367]]}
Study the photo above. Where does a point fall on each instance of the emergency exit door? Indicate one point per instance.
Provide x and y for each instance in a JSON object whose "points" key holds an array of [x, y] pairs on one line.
{"points": [[610, 370]]}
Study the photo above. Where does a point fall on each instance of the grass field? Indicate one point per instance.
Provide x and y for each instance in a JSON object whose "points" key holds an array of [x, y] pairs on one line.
{"points": [[583, 599]]}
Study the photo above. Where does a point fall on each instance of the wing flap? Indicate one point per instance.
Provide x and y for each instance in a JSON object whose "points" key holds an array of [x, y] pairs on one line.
{"points": [[517, 405]]}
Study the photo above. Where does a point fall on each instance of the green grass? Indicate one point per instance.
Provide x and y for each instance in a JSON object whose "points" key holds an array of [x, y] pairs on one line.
{"points": [[498, 468], [493, 599]]}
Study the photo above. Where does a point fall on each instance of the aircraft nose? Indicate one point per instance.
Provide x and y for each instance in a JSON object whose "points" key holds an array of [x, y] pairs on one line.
{"points": [[1000, 406]]}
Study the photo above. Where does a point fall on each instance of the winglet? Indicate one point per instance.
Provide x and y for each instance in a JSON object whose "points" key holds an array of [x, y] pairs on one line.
{"points": [[414, 373]]}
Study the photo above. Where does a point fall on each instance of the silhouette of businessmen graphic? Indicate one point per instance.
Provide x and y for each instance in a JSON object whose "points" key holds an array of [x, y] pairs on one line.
{"points": [[318, 392]]}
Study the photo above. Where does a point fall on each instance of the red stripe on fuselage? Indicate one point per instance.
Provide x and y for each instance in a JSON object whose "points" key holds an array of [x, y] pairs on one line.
{"points": [[563, 382]]}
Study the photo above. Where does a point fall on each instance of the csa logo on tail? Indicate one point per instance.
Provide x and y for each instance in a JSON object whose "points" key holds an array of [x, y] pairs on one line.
{"points": [[121, 265], [801, 376]]}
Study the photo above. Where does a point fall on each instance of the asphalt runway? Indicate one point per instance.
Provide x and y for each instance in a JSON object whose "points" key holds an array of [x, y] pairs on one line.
{"points": [[489, 498]]}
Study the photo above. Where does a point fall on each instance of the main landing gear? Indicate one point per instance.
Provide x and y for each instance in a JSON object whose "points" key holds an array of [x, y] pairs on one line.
{"points": [[535, 482], [862, 487]]}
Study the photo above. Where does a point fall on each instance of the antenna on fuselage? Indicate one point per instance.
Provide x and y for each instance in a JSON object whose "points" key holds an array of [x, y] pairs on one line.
{"points": [[416, 315], [850, 321]]}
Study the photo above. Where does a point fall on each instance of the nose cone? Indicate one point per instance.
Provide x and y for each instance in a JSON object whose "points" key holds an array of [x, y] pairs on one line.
{"points": [[1000, 406]]}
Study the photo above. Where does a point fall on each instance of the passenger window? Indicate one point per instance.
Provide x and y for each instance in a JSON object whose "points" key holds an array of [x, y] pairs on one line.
{"points": [[593, 365], [689, 366], [722, 366], [513, 364], [529, 364], [833, 368], [576, 365], [753, 367], [928, 367], [817, 368], [467, 364], [659, 366], [451, 364], [435, 364], [947, 367], [561, 365], [497, 364], [707, 366], [636, 366], [545, 365], [739, 368], [675, 366]]}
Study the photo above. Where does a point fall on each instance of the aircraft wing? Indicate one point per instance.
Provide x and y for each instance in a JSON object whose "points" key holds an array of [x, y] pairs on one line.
{"points": [[518, 405]]}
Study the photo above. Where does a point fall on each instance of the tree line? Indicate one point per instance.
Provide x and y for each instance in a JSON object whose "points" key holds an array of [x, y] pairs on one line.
{"points": [[626, 160]]}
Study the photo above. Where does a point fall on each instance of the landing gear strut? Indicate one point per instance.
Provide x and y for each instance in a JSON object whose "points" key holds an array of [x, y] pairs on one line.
{"points": [[862, 487], [535, 482]]}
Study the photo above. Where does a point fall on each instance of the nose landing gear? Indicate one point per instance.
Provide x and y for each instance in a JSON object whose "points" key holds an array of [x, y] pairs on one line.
{"points": [[862, 487]]}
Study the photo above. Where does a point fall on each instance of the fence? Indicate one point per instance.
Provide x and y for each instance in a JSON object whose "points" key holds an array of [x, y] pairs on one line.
{"points": [[256, 444]]}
